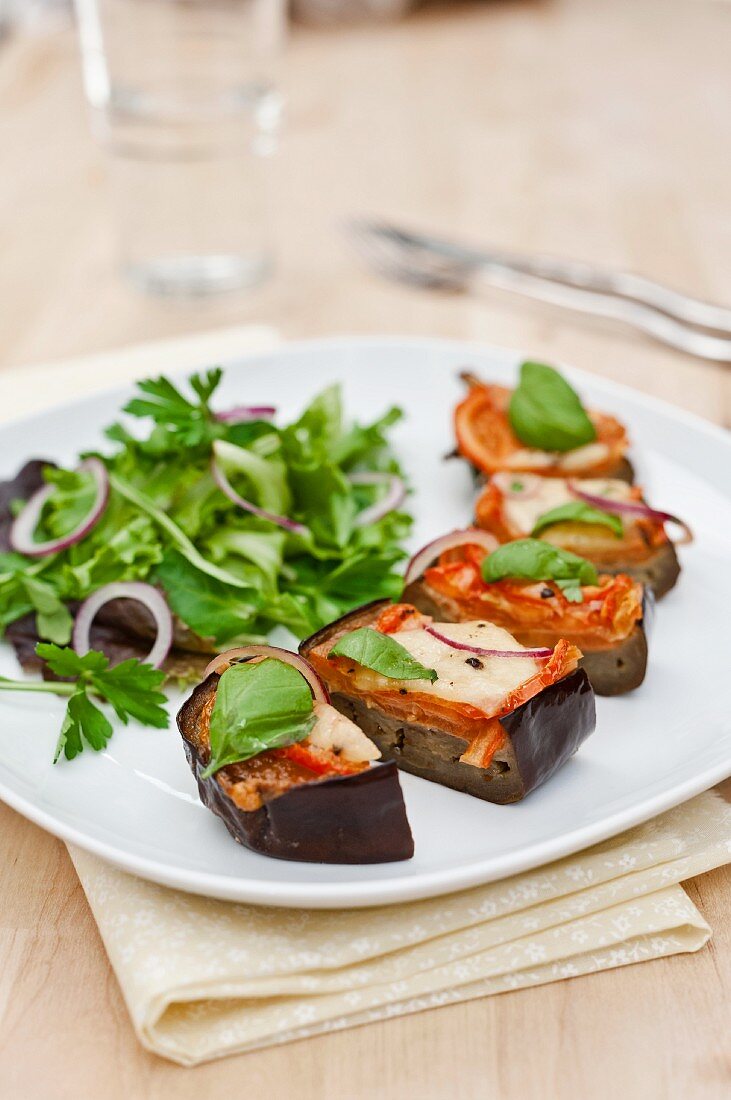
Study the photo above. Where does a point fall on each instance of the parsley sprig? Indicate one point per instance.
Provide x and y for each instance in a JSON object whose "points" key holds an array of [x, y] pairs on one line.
{"points": [[131, 688]]}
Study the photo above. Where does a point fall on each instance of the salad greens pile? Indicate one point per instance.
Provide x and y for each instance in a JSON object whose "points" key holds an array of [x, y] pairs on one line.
{"points": [[229, 575]]}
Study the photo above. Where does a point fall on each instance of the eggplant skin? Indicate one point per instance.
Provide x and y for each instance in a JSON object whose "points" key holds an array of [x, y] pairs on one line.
{"points": [[541, 734], [613, 671], [347, 819], [659, 572]]}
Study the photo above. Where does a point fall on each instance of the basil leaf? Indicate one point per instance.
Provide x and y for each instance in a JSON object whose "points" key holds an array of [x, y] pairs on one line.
{"points": [[258, 707], [545, 411], [535, 560], [578, 511], [382, 653]]}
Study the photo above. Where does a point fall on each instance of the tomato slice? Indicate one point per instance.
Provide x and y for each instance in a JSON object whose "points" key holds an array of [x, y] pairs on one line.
{"points": [[486, 439], [607, 614]]}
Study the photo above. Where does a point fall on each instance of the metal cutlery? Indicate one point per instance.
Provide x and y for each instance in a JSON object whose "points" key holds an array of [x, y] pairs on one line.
{"points": [[679, 320]]}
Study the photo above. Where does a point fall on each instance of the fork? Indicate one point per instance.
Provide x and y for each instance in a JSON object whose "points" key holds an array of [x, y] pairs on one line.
{"points": [[676, 319]]}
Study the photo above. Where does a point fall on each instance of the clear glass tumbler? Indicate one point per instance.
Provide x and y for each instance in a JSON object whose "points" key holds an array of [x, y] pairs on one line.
{"points": [[185, 101]]}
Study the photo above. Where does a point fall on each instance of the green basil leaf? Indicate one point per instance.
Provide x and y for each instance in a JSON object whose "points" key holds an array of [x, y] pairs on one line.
{"points": [[382, 653], [258, 707], [577, 511], [535, 560], [545, 411]]}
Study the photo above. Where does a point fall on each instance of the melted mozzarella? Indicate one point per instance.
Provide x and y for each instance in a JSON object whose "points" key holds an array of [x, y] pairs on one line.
{"points": [[522, 512], [484, 688], [332, 730], [591, 454]]}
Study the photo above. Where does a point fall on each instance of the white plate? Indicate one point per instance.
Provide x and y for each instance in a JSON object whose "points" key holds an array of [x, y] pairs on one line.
{"points": [[136, 804]]}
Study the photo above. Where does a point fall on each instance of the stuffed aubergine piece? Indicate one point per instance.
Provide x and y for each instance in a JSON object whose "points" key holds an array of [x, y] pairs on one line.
{"points": [[436, 698], [540, 594], [538, 427], [289, 775], [604, 520]]}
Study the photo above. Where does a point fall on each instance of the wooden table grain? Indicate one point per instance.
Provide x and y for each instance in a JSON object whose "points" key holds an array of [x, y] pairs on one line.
{"points": [[595, 130]]}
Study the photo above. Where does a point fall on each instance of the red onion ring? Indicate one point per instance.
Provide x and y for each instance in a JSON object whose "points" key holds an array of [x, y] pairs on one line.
{"points": [[25, 523], [531, 484], [227, 488], [145, 594], [245, 653], [539, 654], [241, 413], [632, 508], [388, 503], [429, 553]]}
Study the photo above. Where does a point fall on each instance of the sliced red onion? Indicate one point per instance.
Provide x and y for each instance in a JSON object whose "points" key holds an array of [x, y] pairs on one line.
{"points": [[631, 508], [241, 413], [145, 594], [227, 488], [245, 653], [530, 484], [539, 654], [25, 523], [388, 503], [470, 536]]}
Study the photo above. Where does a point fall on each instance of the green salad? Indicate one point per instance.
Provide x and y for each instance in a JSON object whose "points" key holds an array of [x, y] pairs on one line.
{"points": [[244, 525]]}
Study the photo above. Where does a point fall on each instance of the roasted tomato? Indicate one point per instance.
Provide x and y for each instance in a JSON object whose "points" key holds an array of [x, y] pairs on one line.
{"points": [[486, 439], [536, 612]]}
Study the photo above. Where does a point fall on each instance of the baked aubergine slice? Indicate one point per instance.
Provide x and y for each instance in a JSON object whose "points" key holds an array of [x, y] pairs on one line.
{"points": [[493, 435], [606, 617], [495, 727], [318, 799], [604, 520]]}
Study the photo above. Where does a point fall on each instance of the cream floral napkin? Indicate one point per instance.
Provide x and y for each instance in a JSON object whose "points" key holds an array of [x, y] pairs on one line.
{"points": [[203, 979]]}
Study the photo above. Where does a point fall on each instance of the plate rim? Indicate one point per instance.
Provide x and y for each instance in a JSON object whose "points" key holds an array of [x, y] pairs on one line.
{"points": [[429, 883]]}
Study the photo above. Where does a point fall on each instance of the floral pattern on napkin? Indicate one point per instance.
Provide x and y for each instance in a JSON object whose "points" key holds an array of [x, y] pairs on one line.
{"points": [[204, 978]]}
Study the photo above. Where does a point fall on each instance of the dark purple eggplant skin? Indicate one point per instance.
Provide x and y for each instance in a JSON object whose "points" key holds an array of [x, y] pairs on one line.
{"points": [[550, 727], [347, 819], [541, 734]]}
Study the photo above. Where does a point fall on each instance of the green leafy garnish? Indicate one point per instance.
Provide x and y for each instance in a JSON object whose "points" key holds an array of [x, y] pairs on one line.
{"points": [[191, 421], [131, 688], [258, 707], [228, 575], [535, 560], [577, 511], [382, 653], [546, 412]]}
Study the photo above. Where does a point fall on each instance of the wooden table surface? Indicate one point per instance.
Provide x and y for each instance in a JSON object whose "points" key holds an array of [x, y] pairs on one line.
{"points": [[577, 127]]}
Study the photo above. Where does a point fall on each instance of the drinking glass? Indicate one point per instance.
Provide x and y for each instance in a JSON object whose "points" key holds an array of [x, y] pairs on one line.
{"points": [[184, 99]]}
